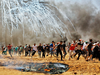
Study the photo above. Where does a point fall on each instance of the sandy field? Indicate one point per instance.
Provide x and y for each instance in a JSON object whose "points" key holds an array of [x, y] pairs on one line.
{"points": [[77, 67]]}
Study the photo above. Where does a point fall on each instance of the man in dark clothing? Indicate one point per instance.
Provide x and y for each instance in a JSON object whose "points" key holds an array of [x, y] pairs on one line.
{"points": [[59, 48], [40, 48], [29, 51], [43, 51], [47, 48], [64, 46], [78, 51], [26, 50], [96, 51], [2, 49], [89, 47]]}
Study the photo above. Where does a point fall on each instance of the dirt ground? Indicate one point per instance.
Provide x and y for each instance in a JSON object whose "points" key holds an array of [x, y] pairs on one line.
{"points": [[77, 67]]}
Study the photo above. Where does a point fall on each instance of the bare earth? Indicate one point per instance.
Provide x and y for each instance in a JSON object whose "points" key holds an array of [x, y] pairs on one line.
{"points": [[77, 67]]}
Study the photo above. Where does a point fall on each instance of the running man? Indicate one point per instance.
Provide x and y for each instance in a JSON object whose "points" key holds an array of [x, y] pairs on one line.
{"points": [[9, 49]]}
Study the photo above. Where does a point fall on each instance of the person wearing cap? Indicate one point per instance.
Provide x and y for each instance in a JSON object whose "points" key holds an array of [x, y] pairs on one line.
{"points": [[59, 49]]}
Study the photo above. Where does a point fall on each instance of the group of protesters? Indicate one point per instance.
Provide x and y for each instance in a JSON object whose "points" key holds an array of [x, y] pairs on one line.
{"points": [[88, 50]]}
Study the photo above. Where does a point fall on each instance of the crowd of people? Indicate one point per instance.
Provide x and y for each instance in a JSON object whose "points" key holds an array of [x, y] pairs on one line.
{"points": [[88, 50]]}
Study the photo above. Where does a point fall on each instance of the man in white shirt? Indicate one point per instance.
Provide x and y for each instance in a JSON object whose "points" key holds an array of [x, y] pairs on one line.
{"points": [[34, 49]]}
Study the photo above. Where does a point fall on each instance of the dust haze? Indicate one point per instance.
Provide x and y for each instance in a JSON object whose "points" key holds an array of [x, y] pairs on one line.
{"points": [[85, 18]]}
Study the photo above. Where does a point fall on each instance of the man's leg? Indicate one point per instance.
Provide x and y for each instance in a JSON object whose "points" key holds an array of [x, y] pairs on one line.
{"points": [[29, 53], [40, 54], [26, 53], [43, 55], [79, 53], [61, 54], [76, 52], [51, 50], [10, 52], [69, 54], [57, 54], [33, 53], [65, 53]]}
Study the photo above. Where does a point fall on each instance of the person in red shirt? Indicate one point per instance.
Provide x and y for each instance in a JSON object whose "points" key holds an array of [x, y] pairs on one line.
{"points": [[9, 49], [72, 49]]}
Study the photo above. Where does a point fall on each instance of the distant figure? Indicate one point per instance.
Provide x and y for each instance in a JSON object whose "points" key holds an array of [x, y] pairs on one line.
{"points": [[89, 50], [12, 50], [78, 51], [43, 51], [69, 44], [16, 50], [26, 50], [5, 50], [51, 48], [25, 45], [40, 48], [64, 46], [72, 49], [34, 49], [23, 50], [47, 49], [9, 49], [20, 50], [96, 51], [29, 51], [59, 49], [2, 49]]}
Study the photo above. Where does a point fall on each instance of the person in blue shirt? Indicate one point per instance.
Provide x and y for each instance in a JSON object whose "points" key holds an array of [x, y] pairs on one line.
{"points": [[51, 48]]}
